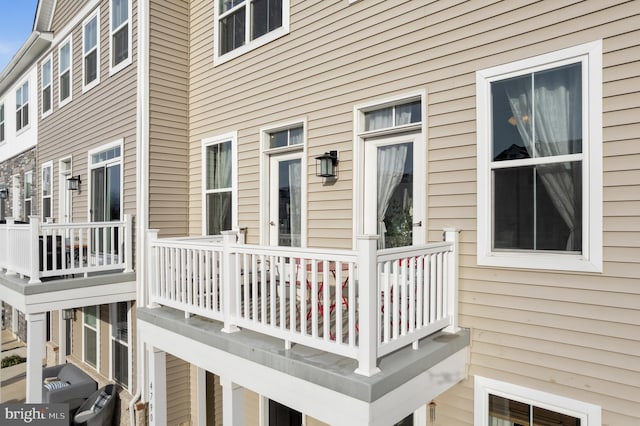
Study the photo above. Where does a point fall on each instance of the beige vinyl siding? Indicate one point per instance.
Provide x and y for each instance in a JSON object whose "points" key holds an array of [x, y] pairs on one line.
{"points": [[572, 334], [102, 115], [168, 124], [251, 408], [178, 391], [62, 11]]}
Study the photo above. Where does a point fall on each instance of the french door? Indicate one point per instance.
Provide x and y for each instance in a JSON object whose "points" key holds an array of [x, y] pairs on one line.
{"points": [[285, 200], [105, 204], [394, 190]]}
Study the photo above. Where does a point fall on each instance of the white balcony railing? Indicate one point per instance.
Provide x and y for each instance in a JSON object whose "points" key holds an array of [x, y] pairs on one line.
{"points": [[39, 250], [361, 304]]}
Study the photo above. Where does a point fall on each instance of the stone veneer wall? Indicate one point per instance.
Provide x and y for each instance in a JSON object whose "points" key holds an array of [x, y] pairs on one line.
{"points": [[18, 165]]}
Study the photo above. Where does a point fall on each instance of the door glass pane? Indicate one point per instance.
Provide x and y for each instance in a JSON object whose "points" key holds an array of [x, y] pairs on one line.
{"points": [[113, 193], [542, 417], [289, 203], [395, 195], [97, 195], [506, 412]]}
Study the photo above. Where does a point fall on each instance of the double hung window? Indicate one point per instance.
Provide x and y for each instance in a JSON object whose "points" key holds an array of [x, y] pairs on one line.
{"points": [[538, 150], [90, 51], [245, 24], [120, 34], [120, 343], [219, 157], [22, 106], [28, 194], [90, 335], [64, 72], [47, 87], [47, 190]]}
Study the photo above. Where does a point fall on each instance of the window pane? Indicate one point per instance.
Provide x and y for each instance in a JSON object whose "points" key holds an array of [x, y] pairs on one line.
{"points": [[25, 115], [379, 119], [229, 4], [90, 34], [511, 117], [65, 52], [46, 74], [90, 67], [266, 16], [546, 417], [295, 136], [506, 412], [278, 139], [46, 181], [46, 207], [121, 363], [218, 212], [65, 87], [513, 217], [559, 207], [232, 31], [119, 13], [219, 166], [121, 45], [46, 99], [90, 316], [408, 113], [90, 346]]}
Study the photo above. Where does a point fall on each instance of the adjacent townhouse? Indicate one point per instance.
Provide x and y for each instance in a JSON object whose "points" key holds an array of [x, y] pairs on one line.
{"points": [[509, 128], [70, 271]]}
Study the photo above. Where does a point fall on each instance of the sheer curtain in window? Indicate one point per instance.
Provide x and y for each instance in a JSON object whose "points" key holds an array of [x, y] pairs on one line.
{"points": [[295, 191], [553, 102], [391, 161]]}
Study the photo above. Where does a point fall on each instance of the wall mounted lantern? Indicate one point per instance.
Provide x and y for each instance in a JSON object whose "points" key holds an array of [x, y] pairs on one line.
{"points": [[3, 193], [326, 164], [73, 183], [68, 314]]}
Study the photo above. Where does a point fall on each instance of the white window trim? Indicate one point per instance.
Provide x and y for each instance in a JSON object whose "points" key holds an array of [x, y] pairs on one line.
{"points": [[48, 112], [97, 330], [112, 315], [48, 164], [95, 14], [589, 414], [63, 102], [24, 128], [265, 174], [120, 143], [359, 136], [591, 258], [251, 44], [114, 69], [233, 138]]}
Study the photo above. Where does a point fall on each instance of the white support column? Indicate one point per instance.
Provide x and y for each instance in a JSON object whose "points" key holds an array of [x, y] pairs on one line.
{"points": [[157, 387], [201, 397], [232, 403], [128, 243], [36, 324], [34, 234], [62, 338], [368, 306], [452, 235], [150, 288], [229, 283]]}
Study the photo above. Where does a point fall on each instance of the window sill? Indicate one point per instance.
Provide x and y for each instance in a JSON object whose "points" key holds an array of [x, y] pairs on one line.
{"points": [[544, 261], [94, 83], [64, 102], [122, 65], [254, 44]]}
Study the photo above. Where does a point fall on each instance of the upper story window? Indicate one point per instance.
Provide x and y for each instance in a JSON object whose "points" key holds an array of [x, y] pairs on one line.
{"points": [[287, 137], [91, 51], [28, 194], [47, 190], [393, 116], [539, 146], [22, 106], [120, 34], [242, 25], [64, 72], [1, 122], [219, 158], [47, 87]]}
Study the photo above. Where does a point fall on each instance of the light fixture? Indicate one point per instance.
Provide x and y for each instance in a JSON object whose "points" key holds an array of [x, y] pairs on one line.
{"points": [[68, 314], [3, 193], [326, 164], [73, 183]]}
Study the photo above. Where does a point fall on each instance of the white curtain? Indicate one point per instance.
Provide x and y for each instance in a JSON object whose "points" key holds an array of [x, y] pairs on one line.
{"points": [[295, 195], [391, 161], [557, 121]]}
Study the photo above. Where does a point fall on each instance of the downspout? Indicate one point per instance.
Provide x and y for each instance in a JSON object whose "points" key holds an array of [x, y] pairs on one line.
{"points": [[142, 193]]}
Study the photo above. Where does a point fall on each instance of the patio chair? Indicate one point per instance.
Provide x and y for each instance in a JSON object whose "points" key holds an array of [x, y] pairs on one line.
{"points": [[98, 409]]}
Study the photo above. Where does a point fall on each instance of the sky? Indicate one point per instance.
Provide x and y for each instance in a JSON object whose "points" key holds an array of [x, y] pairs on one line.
{"points": [[16, 23]]}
